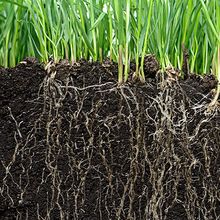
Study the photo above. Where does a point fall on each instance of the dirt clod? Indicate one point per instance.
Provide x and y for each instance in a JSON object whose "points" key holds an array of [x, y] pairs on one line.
{"points": [[151, 66]]}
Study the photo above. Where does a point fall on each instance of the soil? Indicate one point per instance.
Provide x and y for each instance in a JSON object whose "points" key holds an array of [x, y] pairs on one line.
{"points": [[76, 145]]}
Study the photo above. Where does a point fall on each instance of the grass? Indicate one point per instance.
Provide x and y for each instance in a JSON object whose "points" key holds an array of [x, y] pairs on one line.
{"points": [[160, 136], [121, 30]]}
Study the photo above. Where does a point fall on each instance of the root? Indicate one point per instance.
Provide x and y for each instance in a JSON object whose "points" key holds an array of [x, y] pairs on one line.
{"points": [[115, 152]]}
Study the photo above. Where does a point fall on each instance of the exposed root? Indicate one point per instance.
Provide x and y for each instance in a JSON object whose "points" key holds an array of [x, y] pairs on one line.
{"points": [[99, 158]]}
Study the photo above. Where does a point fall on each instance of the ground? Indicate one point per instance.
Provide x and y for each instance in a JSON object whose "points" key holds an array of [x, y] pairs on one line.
{"points": [[76, 145]]}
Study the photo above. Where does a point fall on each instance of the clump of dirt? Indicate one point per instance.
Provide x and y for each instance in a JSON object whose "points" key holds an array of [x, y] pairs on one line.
{"points": [[76, 145], [151, 66]]}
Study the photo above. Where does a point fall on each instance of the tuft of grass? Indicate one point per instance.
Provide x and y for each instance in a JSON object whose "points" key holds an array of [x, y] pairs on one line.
{"points": [[121, 30]]}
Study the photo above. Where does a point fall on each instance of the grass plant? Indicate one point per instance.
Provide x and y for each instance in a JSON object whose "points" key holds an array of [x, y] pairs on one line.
{"points": [[98, 150], [122, 30]]}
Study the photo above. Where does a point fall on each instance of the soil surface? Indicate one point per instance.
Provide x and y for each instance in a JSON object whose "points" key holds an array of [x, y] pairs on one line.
{"points": [[76, 145]]}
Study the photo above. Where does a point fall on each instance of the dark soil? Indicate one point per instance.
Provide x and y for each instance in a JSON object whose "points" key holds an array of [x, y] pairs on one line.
{"points": [[76, 145]]}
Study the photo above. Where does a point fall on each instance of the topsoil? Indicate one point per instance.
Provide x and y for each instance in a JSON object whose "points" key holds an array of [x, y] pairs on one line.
{"points": [[76, 145]]}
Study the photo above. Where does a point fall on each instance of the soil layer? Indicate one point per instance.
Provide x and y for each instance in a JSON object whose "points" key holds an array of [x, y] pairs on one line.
{"points": [[76, 145]]}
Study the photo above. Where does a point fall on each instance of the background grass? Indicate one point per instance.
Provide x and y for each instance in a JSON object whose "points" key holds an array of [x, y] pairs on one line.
{"points": [[121, 30]]}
